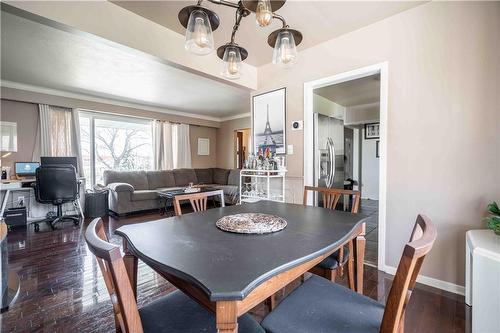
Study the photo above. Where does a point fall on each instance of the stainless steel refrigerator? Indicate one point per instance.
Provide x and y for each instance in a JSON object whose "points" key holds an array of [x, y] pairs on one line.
{"points": [[329, 152]]}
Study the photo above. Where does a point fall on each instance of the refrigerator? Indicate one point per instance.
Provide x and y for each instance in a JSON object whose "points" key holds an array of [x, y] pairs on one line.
{"points": [[329, 151]]}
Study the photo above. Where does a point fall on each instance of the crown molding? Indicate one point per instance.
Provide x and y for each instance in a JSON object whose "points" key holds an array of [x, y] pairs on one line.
{"points": [[236, 116]]}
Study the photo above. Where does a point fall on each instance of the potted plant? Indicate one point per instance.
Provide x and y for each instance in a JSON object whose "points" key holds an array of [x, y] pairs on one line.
{"points": [[493, 221]]}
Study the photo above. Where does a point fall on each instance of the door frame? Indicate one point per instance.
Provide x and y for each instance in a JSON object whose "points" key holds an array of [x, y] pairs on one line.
{"points": [[383, 70]]}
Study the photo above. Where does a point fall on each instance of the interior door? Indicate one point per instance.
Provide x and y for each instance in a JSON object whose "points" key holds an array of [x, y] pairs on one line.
{"points": [[240, 154]]}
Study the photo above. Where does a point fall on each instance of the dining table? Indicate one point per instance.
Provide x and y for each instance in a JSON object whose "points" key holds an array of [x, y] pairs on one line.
{"points": [[230, 273]]}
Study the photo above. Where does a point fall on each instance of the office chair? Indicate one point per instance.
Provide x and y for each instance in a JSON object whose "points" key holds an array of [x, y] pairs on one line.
{"points": [[56, 184]]}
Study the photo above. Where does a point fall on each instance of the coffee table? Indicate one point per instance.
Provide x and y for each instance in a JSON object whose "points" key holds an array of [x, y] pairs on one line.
{"points": [[169, 196]]}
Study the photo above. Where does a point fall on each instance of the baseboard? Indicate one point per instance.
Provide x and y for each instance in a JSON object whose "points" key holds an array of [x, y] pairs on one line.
{"points": [[440, 284]]}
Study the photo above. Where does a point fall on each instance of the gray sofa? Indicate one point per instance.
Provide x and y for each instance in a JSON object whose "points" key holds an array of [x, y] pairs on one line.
{"points": [[133, 191]]}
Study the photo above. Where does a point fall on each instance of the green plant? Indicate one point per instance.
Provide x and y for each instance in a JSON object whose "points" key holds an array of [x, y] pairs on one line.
{"points": [[493, 221]]}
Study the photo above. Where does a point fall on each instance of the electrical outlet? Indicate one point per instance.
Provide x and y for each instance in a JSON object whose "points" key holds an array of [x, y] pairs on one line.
{"points": [[20, 200]]}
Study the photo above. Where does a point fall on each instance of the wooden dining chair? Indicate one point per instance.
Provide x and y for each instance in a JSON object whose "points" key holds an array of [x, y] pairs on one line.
{"points": [[198, 200], [336, 262], [174, 312], [319, 305]]}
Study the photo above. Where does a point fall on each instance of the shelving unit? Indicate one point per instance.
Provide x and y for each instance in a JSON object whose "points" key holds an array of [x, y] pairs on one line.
{"points": [[259, 186]]}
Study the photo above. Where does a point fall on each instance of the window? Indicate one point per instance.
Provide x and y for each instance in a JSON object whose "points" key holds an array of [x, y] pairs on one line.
{"points": [[114, 143]]}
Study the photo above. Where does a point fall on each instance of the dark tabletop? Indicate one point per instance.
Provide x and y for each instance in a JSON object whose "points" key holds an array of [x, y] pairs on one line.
{"points": [[228, 266]]}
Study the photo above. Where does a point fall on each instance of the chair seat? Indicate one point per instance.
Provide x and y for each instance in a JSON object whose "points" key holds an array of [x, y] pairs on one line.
{"points": [[176, 312], [332, 261], [319, 305]]}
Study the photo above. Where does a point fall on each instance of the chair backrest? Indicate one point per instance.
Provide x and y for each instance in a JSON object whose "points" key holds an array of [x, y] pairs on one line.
{"points": [[421, 241], [56, 184], [331, 196], [198, 200], [115, 275]]}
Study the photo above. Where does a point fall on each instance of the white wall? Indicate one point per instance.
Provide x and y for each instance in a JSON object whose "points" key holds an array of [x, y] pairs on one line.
{"points": [[443, 148], [327, 107], [364, 113], [369, 168]]}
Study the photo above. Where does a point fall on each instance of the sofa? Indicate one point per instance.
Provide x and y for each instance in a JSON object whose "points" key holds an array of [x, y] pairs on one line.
{"points": [[133, 191]]}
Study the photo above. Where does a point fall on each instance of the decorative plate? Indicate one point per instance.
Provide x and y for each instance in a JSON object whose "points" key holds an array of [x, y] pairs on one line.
{"points": [[251, 223]]}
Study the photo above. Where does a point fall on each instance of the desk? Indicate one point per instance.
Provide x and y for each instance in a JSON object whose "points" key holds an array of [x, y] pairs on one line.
{"points": [[231, 273], [482, 280], [38, 214]]}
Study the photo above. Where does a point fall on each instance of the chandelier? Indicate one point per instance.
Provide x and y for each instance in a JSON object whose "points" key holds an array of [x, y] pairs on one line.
{"points": [[200, 23]]}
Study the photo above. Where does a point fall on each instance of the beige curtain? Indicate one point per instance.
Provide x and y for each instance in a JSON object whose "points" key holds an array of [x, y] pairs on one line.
{"points": [[181, 146], [162, 145], [59, 133]]}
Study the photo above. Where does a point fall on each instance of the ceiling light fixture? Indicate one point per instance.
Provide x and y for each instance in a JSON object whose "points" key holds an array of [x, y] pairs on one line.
{"points": [[200, 23]]}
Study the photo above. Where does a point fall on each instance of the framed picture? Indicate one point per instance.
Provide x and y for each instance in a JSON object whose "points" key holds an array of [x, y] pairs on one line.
{"points": [[372, 131], [203, 146], [377, 151], [268, 121]]}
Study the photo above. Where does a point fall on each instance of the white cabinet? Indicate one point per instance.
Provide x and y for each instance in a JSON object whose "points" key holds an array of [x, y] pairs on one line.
{"points": [[482, 280]]}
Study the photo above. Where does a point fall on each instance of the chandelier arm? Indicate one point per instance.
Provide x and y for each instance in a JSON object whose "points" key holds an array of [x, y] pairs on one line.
{"points": [[224, 3], [239, 16], [281, 18]]}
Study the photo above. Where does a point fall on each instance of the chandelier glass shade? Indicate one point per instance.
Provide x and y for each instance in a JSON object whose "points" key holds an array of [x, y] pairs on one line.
{"points": [[263, 13], [199, 37], [285, 50], [231, 62]]}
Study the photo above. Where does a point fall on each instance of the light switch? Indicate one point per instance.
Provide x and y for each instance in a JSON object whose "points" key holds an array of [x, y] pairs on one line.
{"points": [[289, 150]]}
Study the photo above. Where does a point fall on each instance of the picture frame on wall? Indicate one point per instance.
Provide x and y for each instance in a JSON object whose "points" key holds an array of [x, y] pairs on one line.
{"points": [[269, 122], [372, 131], [203, 146]]}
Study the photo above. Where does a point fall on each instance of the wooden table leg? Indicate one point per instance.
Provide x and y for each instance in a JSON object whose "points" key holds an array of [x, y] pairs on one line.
{"points": [[226, 317], [350, 266], [360, 258], [131, 263]]}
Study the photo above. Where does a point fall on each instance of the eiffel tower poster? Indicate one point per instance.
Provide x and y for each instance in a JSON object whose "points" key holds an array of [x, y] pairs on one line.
{"points": [[269, 121]]}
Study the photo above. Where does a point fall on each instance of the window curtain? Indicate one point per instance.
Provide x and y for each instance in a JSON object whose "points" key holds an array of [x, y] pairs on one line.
{"points": [[162, 145], [181, 147], [172, 148], [58, 133]]}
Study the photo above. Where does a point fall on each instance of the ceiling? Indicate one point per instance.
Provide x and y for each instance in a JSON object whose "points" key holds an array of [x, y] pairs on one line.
{"points": [[44, 56], [355, 92], [318, 21]]}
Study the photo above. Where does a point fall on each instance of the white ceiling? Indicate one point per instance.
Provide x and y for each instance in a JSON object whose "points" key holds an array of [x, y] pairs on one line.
{"points": [[355, 92], [44, 56], [318, 21]]}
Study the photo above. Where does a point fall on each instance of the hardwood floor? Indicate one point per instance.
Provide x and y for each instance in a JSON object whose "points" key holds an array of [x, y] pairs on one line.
{"points": [[62, 289]]}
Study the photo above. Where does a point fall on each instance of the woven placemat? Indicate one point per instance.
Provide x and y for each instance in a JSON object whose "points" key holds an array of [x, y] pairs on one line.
{"points": [[251, 223]]}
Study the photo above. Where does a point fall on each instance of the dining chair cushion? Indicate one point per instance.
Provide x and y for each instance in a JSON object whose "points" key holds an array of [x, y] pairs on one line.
{"points": [[319, 305], [176, 312], [332, 261]]}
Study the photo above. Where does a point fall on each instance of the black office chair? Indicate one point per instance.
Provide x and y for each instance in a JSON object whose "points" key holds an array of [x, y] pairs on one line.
{"points": [[56, 184]]}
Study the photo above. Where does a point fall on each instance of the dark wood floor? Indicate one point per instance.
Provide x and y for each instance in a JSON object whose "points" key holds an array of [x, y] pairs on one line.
{"points": [[62, 289]]}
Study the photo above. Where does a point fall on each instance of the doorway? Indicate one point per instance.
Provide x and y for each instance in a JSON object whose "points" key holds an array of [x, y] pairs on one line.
{"points": [[353, 108], [241, 147]]}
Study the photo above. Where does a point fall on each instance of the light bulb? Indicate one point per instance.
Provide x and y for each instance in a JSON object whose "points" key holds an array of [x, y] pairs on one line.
{"points": [[263, 13], [231, 64], [285, 51], [199, 38]]}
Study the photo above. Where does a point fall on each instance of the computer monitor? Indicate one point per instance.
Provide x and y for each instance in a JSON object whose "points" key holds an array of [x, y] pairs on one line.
{"points": [[46, 160], [26, 169]]}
